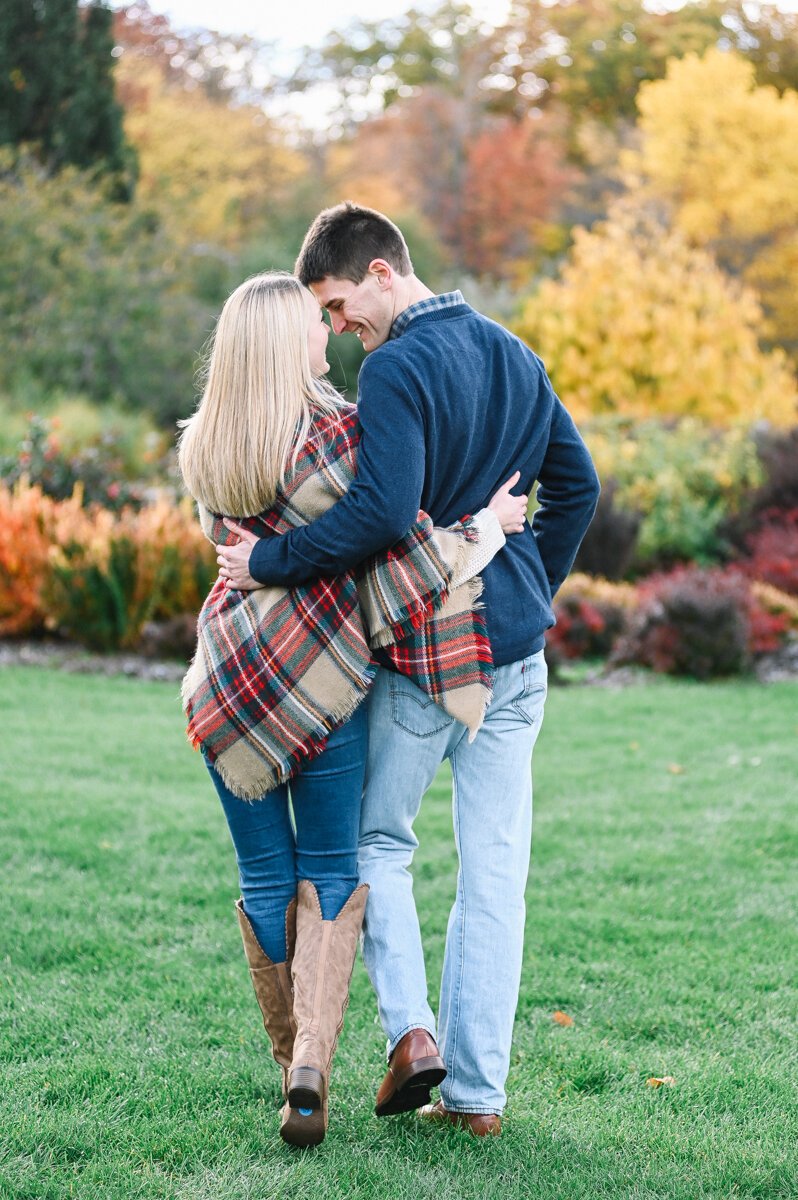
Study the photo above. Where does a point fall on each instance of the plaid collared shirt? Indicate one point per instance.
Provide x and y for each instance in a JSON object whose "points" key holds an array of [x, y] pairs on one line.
{"points": [[431, 304]]}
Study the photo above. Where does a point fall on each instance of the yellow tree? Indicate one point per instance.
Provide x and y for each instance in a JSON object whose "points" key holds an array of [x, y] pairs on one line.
{"points": [[724, 154], [216, 171], [642, 324]]}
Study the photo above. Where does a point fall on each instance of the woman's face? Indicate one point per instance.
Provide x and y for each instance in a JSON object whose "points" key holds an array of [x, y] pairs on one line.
{"points": [[318, 333]]}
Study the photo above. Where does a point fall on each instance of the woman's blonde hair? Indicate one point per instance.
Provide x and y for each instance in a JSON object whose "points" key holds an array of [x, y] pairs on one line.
{"points": [[259, 400]]}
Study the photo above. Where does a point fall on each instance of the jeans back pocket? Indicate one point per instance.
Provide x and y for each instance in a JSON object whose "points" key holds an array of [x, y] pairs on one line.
{"points": [[416, 712]]}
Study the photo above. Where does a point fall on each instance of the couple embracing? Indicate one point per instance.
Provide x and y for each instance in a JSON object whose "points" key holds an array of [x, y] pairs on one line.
{"points": [[380, 607]]}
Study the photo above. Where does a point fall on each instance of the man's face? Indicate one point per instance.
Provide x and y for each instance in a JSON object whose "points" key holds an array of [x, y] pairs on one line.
{"points": [[365, 308]]}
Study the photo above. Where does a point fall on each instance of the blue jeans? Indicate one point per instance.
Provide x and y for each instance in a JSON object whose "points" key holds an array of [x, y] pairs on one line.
{"points": [[320, 845], [409, 736]]}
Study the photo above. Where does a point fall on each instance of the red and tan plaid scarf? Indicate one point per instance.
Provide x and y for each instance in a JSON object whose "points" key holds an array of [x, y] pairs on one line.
{"points": [[277, 669]]}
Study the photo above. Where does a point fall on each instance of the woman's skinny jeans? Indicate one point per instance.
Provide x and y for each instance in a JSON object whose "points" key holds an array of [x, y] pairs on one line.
{"points": [[320, 845]]}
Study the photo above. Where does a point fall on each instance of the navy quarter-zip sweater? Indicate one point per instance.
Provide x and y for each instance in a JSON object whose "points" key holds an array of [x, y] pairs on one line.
{"points": [[449, 409]]}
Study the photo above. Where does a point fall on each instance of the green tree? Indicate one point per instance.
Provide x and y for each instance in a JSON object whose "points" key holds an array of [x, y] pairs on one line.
{"points": [[93, 298], [591, 57], [449, 49], [768, 37], [57, 88]]}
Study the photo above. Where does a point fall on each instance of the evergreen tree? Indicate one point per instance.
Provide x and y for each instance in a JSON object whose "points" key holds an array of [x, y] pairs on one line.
{"points": [[57, 89]]}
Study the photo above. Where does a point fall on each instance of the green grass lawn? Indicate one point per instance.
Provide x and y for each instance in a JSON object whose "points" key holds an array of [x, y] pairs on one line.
{"points": [[661, 918]]}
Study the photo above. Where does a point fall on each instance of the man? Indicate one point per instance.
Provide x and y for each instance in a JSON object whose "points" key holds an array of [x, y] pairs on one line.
{"points": [[450, 405]]}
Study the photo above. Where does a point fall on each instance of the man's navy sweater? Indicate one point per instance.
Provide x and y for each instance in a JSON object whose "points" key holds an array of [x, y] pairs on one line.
{"points": [[449, 410]]}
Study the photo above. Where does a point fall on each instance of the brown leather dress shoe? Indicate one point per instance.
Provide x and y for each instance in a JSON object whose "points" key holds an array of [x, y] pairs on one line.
{"points": [[415, 1067], [480, 1124]]}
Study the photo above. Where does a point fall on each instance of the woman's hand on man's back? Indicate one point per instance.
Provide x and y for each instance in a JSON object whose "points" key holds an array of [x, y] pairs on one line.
{"points": [[510, 510]]}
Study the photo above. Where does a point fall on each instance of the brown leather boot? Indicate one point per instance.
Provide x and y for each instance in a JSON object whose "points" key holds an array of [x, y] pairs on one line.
{"points": [[275, 996], [272, 984], [322, 968], [415, 1067], [480, 1124]]}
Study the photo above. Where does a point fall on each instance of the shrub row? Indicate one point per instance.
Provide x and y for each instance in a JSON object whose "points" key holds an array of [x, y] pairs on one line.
{"points": [[682, 491], [671, 491], [94, 575], [103, 578], [111, 462], [689, 621]]}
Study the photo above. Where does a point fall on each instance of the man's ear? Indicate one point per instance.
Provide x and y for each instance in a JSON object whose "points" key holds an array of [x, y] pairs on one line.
{"points": [[383, 272]]}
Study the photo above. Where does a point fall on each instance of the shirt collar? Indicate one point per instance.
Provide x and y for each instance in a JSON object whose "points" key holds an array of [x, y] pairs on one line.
{"points": [[431, 304]]}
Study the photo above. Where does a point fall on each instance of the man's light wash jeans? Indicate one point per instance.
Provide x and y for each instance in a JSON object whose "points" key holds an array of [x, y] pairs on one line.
{"points": [[409, 736]]}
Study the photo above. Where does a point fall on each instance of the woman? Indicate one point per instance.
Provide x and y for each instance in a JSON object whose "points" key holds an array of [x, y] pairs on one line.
{"points": [[274, 693]]}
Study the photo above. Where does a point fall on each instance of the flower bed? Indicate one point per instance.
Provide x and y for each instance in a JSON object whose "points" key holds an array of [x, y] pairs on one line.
{"points": [[94, 575]]}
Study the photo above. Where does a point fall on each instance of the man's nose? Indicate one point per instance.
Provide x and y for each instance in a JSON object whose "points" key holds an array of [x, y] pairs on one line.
{"points": [[338, 322]]}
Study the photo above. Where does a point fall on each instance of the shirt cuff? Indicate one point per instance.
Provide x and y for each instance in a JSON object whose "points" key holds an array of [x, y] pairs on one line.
{"points": [[490, 541]]}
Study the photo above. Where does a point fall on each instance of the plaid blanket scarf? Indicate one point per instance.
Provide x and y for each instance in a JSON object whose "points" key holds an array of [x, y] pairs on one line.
{"points": [[277, 669]]}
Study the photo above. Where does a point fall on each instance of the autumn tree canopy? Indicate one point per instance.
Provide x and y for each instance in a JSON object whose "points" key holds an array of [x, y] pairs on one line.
{"points": [[724, 154], [212, 166], [498, 150], [642, 324]]}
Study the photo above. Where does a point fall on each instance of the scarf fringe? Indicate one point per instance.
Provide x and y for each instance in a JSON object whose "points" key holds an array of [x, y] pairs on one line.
{"points": [[411, 617], [259, 785]]}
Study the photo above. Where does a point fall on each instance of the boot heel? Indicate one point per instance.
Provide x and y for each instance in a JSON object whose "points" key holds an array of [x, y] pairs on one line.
{"points": [[305, 1088]]}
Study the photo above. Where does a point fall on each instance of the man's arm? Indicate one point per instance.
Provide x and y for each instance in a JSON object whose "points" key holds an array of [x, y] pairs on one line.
{"points": [[567, 495], [381, 504]]}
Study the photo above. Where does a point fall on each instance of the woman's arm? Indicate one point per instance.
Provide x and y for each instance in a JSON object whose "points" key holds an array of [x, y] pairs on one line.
{"points": [[503, 515]]}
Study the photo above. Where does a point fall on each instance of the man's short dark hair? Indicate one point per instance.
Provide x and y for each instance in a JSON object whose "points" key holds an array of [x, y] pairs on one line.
{"points": [[343, 240]]}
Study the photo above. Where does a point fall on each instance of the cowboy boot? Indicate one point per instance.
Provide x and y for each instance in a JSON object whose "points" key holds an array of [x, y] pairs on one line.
{"points": [[322, 968], [272, 984]]}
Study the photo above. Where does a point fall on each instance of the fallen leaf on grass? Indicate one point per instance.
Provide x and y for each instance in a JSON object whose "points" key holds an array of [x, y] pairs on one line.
{"points": [[562, 1018], [657, 1081]]}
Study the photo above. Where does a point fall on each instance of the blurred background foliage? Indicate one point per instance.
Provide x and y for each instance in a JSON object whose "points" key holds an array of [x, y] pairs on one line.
{"points": [[615, 181]]}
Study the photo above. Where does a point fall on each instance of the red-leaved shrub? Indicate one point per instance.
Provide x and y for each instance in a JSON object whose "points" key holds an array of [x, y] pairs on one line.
{"points": [[585, 628], [702, 623], [773, 550]]}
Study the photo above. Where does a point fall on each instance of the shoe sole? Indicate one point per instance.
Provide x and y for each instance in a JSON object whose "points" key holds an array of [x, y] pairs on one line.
{"points": [[412, 1088], [303, 1127]]}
